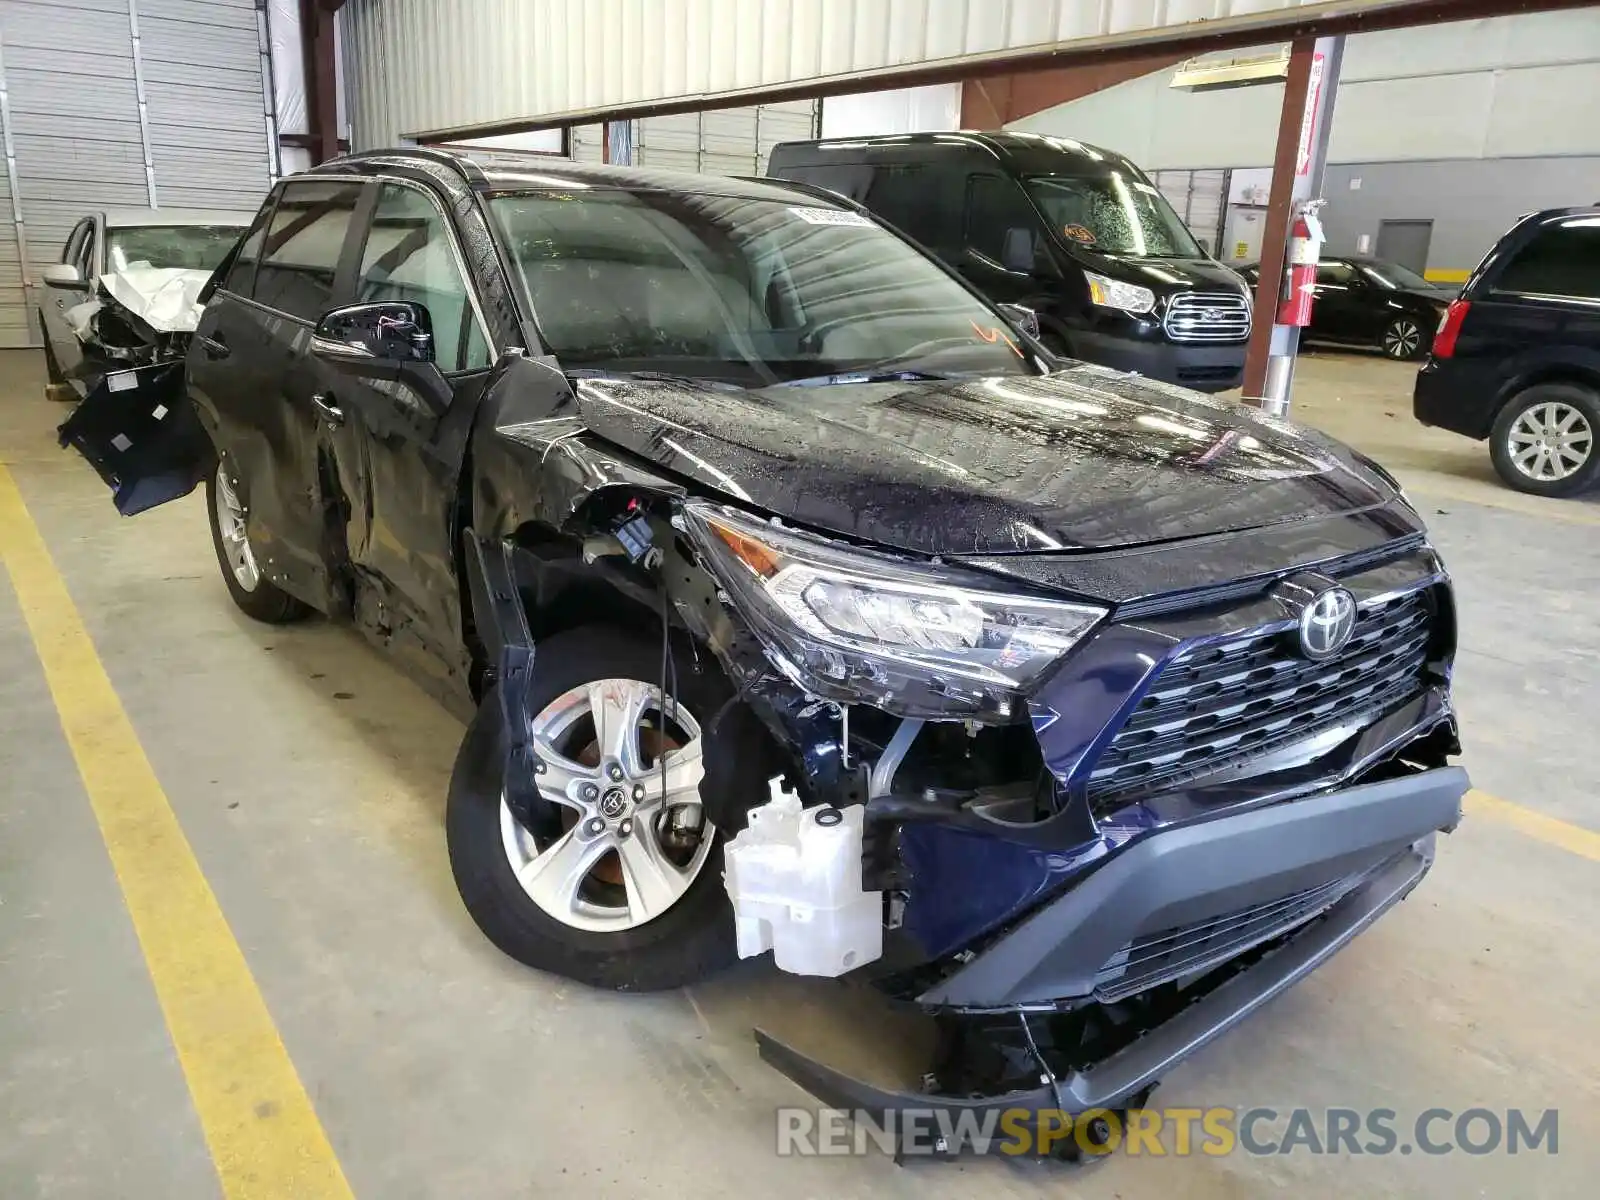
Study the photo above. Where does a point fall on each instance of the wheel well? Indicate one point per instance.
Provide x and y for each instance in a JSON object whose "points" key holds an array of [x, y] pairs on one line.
{"points": [[1581, 376]]}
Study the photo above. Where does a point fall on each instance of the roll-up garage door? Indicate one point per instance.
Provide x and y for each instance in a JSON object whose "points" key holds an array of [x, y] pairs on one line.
{"points": [[122, 103], [1201, 199], [729, 141]]}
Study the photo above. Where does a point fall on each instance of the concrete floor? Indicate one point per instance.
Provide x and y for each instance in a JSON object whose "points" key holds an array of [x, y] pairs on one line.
{"points": [[309, 779]]}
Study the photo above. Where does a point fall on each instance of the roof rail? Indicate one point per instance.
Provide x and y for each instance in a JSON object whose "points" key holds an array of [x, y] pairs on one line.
{"points": [[470, 172]]}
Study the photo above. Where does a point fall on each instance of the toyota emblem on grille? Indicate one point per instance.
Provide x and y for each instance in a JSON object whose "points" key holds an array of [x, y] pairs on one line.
{"points": [[1327, 623], [1324, 613]]}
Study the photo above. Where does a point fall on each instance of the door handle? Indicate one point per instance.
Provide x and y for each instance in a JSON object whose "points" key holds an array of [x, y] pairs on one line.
{"points": [[331, 412], [215, 347]]}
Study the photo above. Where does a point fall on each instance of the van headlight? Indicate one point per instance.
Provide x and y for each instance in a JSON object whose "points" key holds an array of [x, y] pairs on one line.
{"points": [[862, 627], [1113, 293]]}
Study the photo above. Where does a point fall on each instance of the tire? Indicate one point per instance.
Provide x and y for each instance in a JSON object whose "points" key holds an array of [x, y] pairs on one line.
{"points": [[1568, 415], [254, 594], [691, 936], [1405, 339]]}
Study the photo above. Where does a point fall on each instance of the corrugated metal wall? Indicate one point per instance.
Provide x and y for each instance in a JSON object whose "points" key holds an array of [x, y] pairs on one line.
{"points": [[113, 103], [728, 141], [423, 66]]}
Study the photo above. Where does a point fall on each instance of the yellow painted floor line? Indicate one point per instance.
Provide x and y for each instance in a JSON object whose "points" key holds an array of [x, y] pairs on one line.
{"points": [[1573, 838], [259, 1124]]}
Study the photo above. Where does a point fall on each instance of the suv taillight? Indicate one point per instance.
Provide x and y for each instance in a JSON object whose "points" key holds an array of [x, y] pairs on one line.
{"points": [[1444, 342]]}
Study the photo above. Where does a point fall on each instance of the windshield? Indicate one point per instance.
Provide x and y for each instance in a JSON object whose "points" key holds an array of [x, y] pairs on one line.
{"points": [[195, 247], [750, 292], [1393, 276], [1114, 212]]}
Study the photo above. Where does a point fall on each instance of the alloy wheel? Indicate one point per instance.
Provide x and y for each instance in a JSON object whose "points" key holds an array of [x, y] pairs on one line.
{"points": [[1550, 441], [624, 771], [1402, 339], [230, 514]]}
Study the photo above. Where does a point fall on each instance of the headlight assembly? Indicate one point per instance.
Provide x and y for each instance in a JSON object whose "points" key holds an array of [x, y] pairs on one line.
{"points": [[853, 625], [1113, 293]]}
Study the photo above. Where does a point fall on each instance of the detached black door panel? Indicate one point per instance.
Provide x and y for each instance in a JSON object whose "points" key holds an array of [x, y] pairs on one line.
{"points": [[139, 432]]}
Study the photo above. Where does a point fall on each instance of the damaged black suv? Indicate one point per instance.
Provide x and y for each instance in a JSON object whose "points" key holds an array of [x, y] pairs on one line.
{"points": [[805, 602]]}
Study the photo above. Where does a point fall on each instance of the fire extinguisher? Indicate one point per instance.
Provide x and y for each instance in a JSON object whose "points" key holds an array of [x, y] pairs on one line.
{"points": [[1300, 260]]}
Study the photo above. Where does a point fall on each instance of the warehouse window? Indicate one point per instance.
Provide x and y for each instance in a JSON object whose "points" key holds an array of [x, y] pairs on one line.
{"points": [[408, 257], [1562, 260], [303, 245]]}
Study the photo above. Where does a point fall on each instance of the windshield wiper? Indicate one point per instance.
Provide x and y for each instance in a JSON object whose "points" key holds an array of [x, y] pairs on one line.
{"points": [[868, 377]]}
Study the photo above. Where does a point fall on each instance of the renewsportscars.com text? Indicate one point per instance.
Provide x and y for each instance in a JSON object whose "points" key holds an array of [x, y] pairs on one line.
{"points": [[1159, 1132]]}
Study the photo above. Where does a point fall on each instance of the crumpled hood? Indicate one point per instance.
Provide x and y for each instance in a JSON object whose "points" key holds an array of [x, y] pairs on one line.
{"points": [[1087, 458], [165, 298]]}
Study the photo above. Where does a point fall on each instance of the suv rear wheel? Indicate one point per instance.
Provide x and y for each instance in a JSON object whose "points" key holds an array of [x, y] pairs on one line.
{"points": [[1544, 440]]}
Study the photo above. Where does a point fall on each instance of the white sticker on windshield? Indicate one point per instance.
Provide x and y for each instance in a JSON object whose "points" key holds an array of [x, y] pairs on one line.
{"points": [[831, 216], [121, 381]]}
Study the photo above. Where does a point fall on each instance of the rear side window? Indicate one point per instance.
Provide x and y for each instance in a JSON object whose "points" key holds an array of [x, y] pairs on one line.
{"points": [[1335, 274], [902, 195], [409, 256], [1562, 260], [301, 254], [1001, 224]]}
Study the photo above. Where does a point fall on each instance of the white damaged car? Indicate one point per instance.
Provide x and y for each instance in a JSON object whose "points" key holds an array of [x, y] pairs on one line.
{"points": [[125, 291]]}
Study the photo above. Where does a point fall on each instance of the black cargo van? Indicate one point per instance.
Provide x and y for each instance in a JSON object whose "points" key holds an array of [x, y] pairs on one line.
{"points": [[1076, 233]]}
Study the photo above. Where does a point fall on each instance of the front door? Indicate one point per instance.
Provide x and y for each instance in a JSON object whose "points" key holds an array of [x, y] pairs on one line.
{"points": [[1336, 313], [397, 433]]}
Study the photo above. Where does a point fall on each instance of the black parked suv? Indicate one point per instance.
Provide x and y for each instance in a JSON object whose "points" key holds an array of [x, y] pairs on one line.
{"points": [[1370, 302], [1076, 233], [1132, 708], [1517, 357]]}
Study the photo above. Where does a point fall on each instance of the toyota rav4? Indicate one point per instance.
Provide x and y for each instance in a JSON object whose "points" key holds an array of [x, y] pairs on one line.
{"points": [[803, 601]]}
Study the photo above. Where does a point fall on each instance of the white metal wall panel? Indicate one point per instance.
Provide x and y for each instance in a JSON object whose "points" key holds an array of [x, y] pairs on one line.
{"points": [[201, 63], [424, 66], [73, 71], [728, 141]]}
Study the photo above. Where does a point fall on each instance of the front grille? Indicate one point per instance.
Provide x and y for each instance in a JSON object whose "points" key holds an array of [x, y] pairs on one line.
{"points": [[1188, 949], [1224, 702], [1208, 317]]}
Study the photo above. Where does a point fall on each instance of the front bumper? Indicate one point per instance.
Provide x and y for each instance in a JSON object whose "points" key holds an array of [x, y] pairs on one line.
{"points": [[1201, 367], [1379, 835]]}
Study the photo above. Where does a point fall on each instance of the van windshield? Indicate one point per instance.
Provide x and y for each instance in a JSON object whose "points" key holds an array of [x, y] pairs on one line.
{"points": [[1113, 212], [746, 291]]}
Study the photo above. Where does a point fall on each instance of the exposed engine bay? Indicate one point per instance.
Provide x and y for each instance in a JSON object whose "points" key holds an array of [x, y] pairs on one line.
{"points": [[136, 317]]}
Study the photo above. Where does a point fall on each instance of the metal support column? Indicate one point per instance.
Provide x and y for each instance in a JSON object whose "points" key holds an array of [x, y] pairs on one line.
{"points": [[1297, 171]]}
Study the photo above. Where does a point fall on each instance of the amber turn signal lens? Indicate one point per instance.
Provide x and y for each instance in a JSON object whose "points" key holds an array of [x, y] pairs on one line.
{"points": [[756, 555]]}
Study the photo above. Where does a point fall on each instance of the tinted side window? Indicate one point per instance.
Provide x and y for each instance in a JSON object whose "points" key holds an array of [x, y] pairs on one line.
{"points": [[1001, 224], [303, 244], [1335, 273], [408, 256], [904, 196], [242, 272], [1562, 260], [73, 251]]}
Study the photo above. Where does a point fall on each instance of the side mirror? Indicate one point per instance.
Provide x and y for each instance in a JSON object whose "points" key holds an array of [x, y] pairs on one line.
{"points": [[63, 275], [390, 331], [1018, 252], [1023, 317]]}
